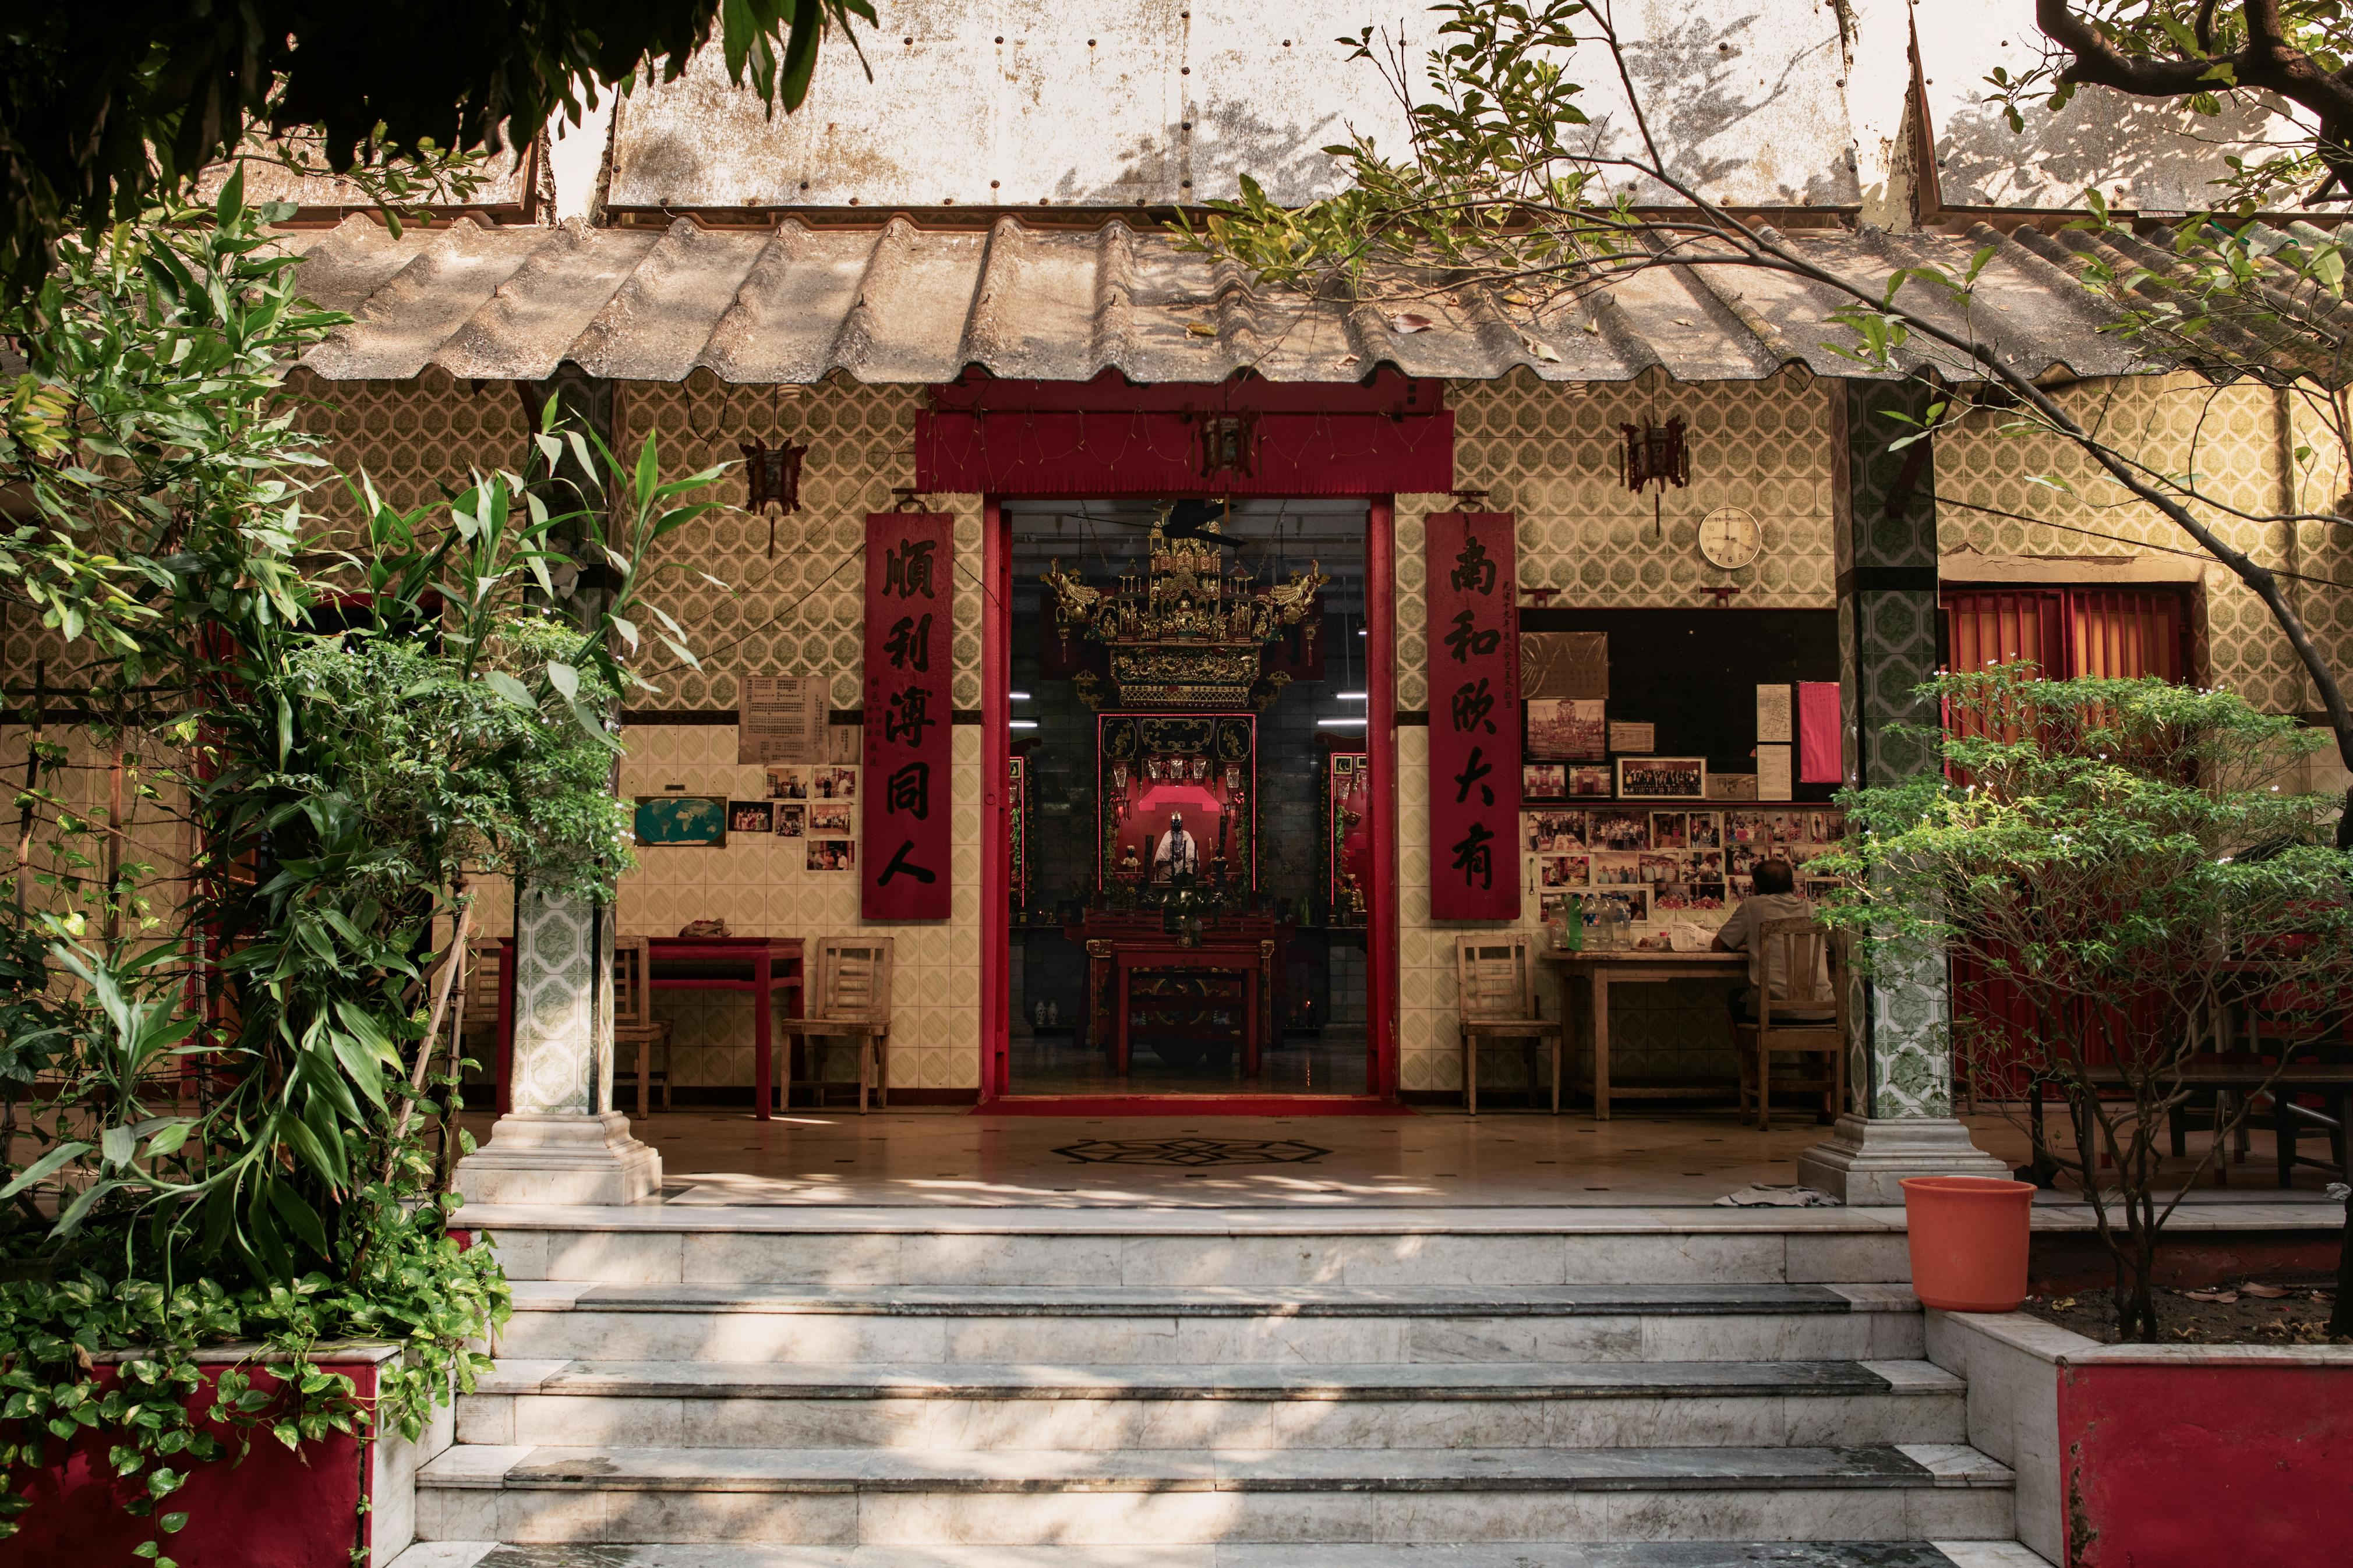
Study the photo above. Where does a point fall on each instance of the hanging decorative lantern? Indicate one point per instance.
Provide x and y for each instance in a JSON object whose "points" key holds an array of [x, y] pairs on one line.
{"points": [[1655, 454], [1229, 444], [774, 480]]}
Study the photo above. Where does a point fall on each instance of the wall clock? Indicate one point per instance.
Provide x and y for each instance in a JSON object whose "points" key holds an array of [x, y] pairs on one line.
{"points": [[1730, 538]]}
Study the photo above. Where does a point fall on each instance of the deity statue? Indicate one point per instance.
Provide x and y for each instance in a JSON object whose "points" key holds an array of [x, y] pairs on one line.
{"points": [[1177, 852]]}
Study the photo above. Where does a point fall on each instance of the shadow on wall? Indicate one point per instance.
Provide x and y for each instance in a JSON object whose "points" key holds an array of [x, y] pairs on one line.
{"points": [[2137, 154]]}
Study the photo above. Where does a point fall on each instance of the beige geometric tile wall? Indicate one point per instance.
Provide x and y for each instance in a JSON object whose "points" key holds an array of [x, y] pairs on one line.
{"points": [[1550, 454], [2239, 441], [800, 613]]}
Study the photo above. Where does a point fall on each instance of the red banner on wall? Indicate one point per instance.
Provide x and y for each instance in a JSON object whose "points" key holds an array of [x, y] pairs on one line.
{"points": [[903, 865], [1471, 591]]}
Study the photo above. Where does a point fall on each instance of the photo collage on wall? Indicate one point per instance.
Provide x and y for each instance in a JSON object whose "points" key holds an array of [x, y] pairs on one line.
{"points": [[816, 803], [1658, 863]]}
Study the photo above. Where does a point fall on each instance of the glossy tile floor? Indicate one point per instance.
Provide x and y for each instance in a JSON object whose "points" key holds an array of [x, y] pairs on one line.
{"points": [[955, 1158]]}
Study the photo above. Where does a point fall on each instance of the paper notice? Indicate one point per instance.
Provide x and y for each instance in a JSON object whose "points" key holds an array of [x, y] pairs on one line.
{"points": [[1565, 665], [780, 719], [1774, 723], [1773, 780], [1630, 735]]}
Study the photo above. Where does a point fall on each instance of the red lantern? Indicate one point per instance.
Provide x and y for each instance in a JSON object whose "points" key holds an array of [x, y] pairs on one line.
{"points": [[772, 479], [1655, 454]]}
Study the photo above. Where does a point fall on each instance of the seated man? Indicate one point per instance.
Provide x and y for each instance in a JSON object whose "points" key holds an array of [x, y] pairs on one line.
{"points": [[1775, 899]]}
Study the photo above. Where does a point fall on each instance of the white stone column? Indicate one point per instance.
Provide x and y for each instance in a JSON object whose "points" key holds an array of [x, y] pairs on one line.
{"points": [[562, 1143]]}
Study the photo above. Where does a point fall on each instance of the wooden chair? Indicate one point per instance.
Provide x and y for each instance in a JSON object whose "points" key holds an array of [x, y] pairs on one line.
{"points": [[1495, 998], [849, 999], [1810, 1022], [634, 1023]]}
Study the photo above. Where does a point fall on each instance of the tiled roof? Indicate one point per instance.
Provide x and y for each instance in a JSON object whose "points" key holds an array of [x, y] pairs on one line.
{"points": [[895, 302]]}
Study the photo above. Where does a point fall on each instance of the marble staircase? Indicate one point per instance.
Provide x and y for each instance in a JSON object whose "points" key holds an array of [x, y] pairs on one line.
{"points": [[882, 1388]]}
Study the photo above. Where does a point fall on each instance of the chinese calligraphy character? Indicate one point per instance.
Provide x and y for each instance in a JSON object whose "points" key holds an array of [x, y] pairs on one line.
{"points": [[909, 789], [900, 866], [1474, 571], [1464, 640], [907, 571], [910, 712], [909, 643], [1473, 771], [1474, 858], [1473, 706]]}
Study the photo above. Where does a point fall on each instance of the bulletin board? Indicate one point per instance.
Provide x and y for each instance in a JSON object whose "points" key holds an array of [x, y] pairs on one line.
{"points": [[1694, 674]]}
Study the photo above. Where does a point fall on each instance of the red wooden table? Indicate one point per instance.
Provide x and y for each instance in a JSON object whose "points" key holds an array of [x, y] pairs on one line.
{"points": [[696, 963], [1115, 961]]}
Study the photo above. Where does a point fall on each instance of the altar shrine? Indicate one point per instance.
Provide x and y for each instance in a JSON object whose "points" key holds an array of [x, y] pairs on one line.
{"points": [[1186, 670]]}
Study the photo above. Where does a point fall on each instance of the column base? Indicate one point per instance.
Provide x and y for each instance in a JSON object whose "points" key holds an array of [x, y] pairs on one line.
{"points": [[560, 1160], [1865, 1159]]}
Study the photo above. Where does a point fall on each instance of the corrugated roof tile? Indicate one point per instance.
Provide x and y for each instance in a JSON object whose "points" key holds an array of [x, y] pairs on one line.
{"points": [[901, 303]]}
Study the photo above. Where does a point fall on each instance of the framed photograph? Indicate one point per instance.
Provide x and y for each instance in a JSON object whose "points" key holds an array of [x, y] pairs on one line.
{"points": [[1661, 866], [751, 816], [1618, 830], [1705, 865], [1563, 870], [1669, 830], [791, 820], [1617, 870], [1554, 831], [1688, 898], [1825, 827], [1662, 778], [833, 855], [1570, 729], [833, 784], [788, 783], [1589, 782], [1738, 887], [682, 821], [1706, 829], [831, 819], [1543, 781]]}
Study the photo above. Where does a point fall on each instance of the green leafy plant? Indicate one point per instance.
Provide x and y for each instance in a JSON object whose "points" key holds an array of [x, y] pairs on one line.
{"points": [[109, 110], [2119, 860], [243, 1084]]}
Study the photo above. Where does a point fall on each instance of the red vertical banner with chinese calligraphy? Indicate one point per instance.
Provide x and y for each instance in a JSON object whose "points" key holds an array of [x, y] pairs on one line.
{"points": [[907, 793], [1471, 591]]}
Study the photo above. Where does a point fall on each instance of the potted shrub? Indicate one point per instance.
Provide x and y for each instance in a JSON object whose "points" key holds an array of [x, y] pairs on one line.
{"points": [[2119, 866]]}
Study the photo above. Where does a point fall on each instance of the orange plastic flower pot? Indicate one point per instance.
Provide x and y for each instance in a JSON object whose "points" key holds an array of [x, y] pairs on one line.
{"points": [[1968, 1240]]}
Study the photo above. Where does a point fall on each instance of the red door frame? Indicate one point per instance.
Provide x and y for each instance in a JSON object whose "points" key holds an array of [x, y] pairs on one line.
{"points": [[1380, 746]]}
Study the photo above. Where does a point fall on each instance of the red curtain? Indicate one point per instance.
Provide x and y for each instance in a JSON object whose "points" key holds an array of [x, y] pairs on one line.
{"points": [[2121, 633]]}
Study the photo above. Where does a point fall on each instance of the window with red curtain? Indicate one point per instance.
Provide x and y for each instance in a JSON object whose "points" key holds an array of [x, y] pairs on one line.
{"points": [[2117, 631], [2122, 633]]}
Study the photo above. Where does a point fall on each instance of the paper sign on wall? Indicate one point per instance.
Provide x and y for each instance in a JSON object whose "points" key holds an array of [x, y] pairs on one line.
{"points": [[1773, 780], [1774, 723], [780, 719], [1633, 735], [1564, 666]]}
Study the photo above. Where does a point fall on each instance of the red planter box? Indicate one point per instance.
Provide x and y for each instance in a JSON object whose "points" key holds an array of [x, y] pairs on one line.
{"points": [[277, 1510], [2207, 1454]]}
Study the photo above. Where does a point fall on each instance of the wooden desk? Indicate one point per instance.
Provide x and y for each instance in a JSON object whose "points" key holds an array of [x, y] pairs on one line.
{"points": [[695, 963], [1631, 966]]}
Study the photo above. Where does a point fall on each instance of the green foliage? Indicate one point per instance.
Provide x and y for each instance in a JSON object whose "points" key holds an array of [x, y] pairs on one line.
{"points": [[2121, 862], [105, 110], [239, 1088], [116, 1354]]}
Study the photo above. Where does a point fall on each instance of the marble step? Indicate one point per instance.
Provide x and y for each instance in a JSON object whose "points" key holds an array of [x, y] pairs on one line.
{"points": [[1213, 1325], [1495, 1404], [1519, 1554], [1400, 1496], [658, 1245]]}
